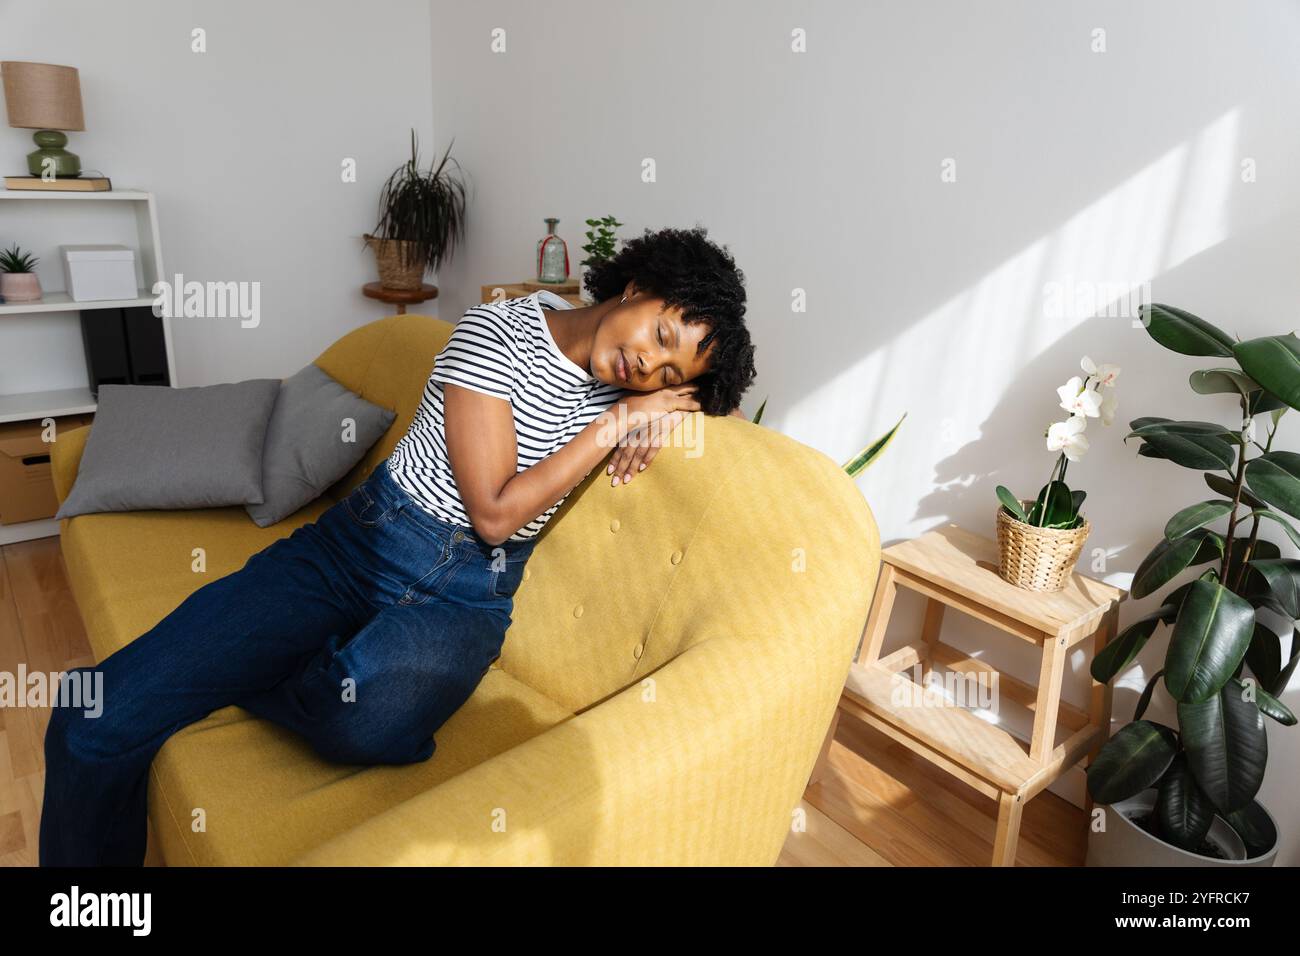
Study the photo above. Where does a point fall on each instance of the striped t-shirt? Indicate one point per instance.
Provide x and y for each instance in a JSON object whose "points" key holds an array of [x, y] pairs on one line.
{"points": [[506, 350]]}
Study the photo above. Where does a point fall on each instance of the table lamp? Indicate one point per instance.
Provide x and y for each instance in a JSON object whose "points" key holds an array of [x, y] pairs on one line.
{"points": [[46, 98]]}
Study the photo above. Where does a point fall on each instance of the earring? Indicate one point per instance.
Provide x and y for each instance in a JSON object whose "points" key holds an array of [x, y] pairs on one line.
{"points": [[622, 300]]}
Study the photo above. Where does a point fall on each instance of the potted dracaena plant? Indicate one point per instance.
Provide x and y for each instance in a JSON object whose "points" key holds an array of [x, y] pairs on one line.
{"points": [[1039, 541], [1186, 794], [421, 221]]}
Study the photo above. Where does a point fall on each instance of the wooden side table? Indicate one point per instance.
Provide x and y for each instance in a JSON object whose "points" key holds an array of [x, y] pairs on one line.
{"points": [[400, 297], [954, 568], [567, 291]]}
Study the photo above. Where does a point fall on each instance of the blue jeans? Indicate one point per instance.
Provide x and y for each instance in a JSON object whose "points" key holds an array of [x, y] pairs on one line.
{"points": [[362, 631]]}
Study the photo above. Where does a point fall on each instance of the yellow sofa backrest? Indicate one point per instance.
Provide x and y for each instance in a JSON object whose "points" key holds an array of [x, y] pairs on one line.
{"points": [[735, 533]]}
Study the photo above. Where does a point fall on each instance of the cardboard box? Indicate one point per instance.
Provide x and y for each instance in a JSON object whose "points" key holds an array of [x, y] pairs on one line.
{"points": [[26, 487]]}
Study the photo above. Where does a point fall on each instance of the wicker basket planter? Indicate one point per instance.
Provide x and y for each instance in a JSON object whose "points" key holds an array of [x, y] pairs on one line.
{"points": [[393, 274], [1037, 559]]}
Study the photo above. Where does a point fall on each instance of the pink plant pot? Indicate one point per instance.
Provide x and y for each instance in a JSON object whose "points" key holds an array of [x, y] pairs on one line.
{"points": [[20, 286]]}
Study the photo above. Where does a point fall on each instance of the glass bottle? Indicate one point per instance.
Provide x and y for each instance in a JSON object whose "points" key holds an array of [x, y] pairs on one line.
{"points": [[552, 255]]}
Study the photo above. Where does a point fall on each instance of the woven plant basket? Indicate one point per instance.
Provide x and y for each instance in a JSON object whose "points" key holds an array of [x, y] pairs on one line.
{"points": [[1037, 559], [392, 274]]}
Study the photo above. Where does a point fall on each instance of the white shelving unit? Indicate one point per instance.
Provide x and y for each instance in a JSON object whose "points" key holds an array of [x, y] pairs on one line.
{"points": [[42, 403]]}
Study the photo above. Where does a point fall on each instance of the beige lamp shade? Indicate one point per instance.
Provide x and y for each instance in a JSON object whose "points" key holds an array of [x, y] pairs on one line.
{"points": [[42, 96]]}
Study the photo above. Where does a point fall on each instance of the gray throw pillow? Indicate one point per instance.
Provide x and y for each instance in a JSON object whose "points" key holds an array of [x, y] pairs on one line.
{"points": [[156, 447], [318, 431]]}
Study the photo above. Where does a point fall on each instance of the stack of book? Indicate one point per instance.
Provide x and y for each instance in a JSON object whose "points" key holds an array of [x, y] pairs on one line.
{"points": [[79, 184]]}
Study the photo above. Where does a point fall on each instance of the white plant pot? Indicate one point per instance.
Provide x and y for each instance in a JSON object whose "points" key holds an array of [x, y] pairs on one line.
{"points": [[1124, 843]]}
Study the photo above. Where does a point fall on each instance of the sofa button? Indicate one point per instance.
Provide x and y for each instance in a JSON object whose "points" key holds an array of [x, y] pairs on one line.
{"points": [[637, 651], [676, 558], [577, 611], [614, 525]]}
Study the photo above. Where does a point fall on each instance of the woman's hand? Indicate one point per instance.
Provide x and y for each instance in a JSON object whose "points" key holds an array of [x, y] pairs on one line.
{"points": [[660, 402], [639, 448]]}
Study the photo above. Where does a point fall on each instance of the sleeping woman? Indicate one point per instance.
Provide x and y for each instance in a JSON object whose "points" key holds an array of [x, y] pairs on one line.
{"points": [[365, 630]]}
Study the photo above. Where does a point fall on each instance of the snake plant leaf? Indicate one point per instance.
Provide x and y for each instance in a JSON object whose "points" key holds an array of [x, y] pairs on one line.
{"points": [[859, 462], [1274, 362], [1222, 485], [1282, 577], [1255, 828], [1168, 559], [1275, 477], [1226, 745], [1180, 331], [1196, 516], [1132, 760], [1125, 646], [1270, 706], [1198, 445], [1210, 638], [758, 415], [1184, 811], [1011, 502], [1147, 691], [1264, 655]]}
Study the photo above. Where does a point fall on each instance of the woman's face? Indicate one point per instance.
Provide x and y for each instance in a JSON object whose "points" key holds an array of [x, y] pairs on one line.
{"points": [[642, 346]]}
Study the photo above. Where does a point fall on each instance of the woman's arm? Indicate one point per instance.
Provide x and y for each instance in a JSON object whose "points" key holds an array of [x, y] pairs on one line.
{"points": [[481, 445]]}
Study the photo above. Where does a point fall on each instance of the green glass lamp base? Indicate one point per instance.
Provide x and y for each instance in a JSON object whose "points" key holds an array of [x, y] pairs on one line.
{"points": [[51, 159]]}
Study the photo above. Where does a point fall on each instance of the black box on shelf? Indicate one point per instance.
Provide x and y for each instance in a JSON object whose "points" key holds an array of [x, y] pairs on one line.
{"points": [[146, 346], [104, 335], [124, 347]]}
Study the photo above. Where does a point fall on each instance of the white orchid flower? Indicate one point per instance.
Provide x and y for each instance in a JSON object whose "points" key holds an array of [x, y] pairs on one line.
{"points": [[1102, 374], [1067, 437], [1109, 402], [1078, 400]]}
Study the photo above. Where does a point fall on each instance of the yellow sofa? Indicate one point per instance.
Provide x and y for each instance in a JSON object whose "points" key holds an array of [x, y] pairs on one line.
{"points": [[677, 653]]}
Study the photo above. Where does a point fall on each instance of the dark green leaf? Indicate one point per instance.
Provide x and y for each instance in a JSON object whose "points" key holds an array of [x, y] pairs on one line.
{"points": [[1210, 638], [1254, 827], [1274, 362], [1120, 652], [1282, 577], [1196, 516], [1169, 558], [1264, 655], [1011, 502], [1224, 486], [1270, 706], [1145, 700], [1275, 477], [1183, 332], [1184, 811], [1226, 744], [1132, 760]]}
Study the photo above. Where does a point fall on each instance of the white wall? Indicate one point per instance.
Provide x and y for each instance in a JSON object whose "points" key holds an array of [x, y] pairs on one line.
{"points": [[821, 171], [243, 146]]}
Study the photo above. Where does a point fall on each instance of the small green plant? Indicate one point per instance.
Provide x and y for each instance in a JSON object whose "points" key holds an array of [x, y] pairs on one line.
{"points": [[16, 261], [425, 209], [600, 240], [863, 459]]}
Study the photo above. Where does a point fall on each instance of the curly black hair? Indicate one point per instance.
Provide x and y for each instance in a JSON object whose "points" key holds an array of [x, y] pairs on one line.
{"points": [[689, 271]]}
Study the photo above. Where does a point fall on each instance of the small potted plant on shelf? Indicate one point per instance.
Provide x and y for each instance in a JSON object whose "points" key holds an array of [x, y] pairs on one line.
{"points": [[421, 221], [599, 245], [1039, 540], [1185, 796], [18, 279]]}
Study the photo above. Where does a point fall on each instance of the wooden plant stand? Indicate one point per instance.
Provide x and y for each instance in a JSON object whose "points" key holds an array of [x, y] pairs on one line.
{"points": [[955, 568]]}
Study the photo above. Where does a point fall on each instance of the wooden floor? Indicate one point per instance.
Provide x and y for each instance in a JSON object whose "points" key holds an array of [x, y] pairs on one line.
{"points": [[880, 804]]}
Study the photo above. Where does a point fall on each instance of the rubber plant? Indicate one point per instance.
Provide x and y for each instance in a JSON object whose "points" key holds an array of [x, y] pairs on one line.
{"points": [[863, 459], [1223, 667]]}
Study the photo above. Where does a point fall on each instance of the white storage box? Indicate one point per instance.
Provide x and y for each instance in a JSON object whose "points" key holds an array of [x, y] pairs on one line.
{"points": [[95, 273]]}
